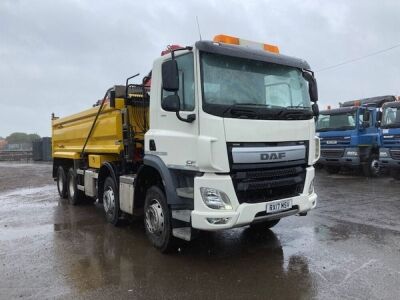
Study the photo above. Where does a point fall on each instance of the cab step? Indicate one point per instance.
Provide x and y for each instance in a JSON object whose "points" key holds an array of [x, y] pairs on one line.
{"points": [[184, 233]]}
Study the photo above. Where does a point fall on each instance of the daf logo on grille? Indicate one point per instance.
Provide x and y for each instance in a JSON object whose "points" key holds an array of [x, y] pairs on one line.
{"points": [[272, 156]]}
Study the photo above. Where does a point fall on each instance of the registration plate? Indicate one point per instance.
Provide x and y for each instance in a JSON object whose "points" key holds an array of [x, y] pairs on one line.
{"points": [[279, 205]]}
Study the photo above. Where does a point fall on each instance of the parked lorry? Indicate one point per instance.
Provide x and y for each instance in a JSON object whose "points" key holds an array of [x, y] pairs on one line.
{"points": [[389, 153], [223, 137], [350, 136]]}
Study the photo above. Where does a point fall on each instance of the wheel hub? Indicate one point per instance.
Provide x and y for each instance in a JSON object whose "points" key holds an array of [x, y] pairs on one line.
{"points": [[109, 201], [155, 218], [375, 166]]}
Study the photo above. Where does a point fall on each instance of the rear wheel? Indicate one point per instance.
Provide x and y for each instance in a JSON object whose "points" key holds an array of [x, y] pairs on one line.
{"points": [[264, 225], [332, 169], [74, 195], [157, 220], [372, 167], [61, 182], [111, 201]]}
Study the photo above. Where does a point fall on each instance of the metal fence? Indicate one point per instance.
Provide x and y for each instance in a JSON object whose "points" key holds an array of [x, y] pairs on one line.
{"points": [[16, 155]]}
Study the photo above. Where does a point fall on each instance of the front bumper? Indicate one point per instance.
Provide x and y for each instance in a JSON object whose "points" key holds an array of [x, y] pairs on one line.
{"points": [[345, 161], [245, 213]]}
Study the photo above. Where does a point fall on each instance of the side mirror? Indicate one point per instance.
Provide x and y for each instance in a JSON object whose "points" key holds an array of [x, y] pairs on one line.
{"points": [[379, 116], [315, 109], [312, 86], [170, 76], [367, 116], [171, 103]]}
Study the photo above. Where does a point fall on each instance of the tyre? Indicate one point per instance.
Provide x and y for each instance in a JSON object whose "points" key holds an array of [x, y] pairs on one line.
{"points": [[74, 195], [332, 169], [61, 182], [157, 220], [372, 167], [264, 225], [111, 201]]}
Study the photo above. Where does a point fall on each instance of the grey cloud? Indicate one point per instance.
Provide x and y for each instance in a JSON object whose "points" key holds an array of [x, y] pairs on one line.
{"points": [[60, 56]]}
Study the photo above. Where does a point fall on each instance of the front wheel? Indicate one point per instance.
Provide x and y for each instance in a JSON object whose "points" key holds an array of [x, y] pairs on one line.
{"points": [[264, 225], [372, 167], [157, 220]]}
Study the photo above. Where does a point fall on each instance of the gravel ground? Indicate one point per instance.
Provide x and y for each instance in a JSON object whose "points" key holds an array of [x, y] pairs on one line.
{"points": [[347, 248]]}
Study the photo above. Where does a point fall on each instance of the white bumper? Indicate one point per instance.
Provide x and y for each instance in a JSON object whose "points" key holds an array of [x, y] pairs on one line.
{"points": [[241, 214]]}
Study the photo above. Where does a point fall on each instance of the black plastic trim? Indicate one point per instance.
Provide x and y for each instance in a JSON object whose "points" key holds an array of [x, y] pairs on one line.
{"points": [[249, 53]]}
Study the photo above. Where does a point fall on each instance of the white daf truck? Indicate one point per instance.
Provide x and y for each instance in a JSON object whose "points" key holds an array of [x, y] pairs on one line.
{"points": [[228, 141]]}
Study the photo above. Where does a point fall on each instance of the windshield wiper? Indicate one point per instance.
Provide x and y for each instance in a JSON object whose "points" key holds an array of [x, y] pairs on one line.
{"points": [[335, 128], [244, 108], [393, 125], [299, 107]]}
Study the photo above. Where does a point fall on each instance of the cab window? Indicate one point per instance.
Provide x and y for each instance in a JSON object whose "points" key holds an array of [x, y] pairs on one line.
{"points": [[186, 82]]}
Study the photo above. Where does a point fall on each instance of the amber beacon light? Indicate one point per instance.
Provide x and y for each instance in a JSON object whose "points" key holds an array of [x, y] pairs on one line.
{"points": [[227, 39]]}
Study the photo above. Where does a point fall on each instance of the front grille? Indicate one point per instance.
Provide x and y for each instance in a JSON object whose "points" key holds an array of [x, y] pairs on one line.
{"points": [[337, 141], [268, 181], [332, 153], [267, 185], [395, 154]]}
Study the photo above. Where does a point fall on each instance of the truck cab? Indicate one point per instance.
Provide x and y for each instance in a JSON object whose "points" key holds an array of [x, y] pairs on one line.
{"points": [[227, 139], [350, 136], [389, 153]]}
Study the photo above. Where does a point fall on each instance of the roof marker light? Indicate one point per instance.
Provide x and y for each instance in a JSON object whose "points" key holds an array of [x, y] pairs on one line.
{"points": [[227, 39]]}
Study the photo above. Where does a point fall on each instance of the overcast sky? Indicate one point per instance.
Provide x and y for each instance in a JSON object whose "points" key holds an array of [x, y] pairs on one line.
{"points": [[60, 56]]}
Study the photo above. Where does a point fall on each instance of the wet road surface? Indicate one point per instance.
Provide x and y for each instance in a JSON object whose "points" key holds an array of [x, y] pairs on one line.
{"points": [[347, 248]]}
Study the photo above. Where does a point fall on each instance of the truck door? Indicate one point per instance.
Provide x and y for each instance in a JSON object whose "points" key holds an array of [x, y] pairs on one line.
{"points": [[173, 140], [369, 132]]}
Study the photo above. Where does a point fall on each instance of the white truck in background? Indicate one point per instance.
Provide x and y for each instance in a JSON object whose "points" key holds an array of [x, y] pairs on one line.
{"points": [[229, 141]]}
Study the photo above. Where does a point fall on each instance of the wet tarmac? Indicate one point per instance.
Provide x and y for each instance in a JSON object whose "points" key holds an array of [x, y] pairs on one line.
{"points": [[347, 248]]}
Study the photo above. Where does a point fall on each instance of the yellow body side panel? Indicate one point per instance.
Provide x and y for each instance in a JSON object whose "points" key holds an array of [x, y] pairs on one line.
{"points": [[69, 133], [97, 160], [70, 155]]}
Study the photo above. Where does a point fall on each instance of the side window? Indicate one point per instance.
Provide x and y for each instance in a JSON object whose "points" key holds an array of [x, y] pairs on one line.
{"points": [[186, 82]]}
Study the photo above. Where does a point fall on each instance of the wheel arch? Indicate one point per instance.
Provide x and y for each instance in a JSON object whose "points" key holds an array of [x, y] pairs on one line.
{"points": [[107, 169], [155, 172], [66, 163]]}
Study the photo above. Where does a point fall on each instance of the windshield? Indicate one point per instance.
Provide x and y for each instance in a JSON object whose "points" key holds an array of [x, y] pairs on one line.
{"points": [[229, 81], [343, 121], [391, 117]]}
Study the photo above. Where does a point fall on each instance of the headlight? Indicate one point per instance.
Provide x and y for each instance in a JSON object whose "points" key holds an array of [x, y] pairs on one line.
{"points": [[311, 187], [383, 154], [215, 199], [351, 152]]}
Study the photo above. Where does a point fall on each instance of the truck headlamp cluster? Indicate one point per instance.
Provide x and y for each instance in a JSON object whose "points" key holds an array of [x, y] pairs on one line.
{"points": [[351, 152], [215, 199], [383, 153]]}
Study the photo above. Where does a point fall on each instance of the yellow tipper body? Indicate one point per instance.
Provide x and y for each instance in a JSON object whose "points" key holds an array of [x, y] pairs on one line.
{"points": [[70, 133]]}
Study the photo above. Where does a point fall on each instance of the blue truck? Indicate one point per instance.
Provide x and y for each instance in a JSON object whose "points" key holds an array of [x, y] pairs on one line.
{"points": [[350, 136], [389, 153]]}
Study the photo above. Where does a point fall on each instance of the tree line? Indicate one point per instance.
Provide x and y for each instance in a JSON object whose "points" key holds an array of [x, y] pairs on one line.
{"points": [[21, 137]]}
